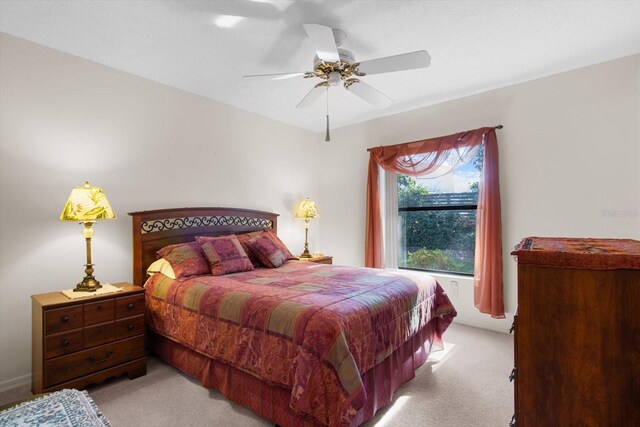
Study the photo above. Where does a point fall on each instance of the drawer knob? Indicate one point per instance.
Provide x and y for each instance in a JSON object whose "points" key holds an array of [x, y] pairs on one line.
{"points": [[512, 423], [99, 307], [64, 319], [130, 305], [512, 375], [131, 326], [65, 342], [513, 326], [92, 360]]}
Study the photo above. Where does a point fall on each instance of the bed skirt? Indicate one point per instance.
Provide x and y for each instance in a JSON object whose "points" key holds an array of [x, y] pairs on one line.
{"points": [[272, 401]]}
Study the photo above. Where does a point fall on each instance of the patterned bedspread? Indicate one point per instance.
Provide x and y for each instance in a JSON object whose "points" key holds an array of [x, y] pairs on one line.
{"points": [[312, 328]]}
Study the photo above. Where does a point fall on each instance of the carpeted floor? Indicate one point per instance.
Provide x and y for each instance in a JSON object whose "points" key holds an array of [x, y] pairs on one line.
{"points": [[464, 385]]}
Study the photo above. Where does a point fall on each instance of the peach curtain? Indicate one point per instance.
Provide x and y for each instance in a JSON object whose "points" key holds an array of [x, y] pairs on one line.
{"points": [[443, 154]]}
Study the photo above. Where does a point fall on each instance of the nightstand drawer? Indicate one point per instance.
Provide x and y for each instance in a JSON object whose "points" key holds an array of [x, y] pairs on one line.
{"points": [[102, 333], [129, 306], [62, 319], [62, 343], [99, 312], [85, 362], [129, 327]]}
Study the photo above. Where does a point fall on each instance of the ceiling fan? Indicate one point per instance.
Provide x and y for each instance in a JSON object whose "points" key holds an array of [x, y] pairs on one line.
{"points": [[334, 65]]}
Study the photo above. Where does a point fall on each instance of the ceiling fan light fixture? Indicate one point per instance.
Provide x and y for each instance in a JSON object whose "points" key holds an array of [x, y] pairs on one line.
{"points": [[334, 78]]}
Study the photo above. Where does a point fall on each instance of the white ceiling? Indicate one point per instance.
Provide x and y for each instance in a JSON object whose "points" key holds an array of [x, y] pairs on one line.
{"points": [[475, 45]]}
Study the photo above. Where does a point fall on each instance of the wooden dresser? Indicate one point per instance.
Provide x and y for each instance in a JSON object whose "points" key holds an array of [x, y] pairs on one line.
{"points": [[577, 333], [79, 342]]}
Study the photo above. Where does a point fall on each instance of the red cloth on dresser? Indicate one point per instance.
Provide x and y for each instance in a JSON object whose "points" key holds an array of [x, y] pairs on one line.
{"points": [[588, 254]]}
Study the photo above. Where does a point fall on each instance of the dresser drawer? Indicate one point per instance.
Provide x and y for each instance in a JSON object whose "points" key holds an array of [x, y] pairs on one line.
{"points": [[62, 343], [129, 306], [101, 333], [99, 312], [85, 362], [62, 319], [129, 327]]}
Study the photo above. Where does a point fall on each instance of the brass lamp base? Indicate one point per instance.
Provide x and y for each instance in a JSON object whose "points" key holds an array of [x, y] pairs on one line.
{"points": [[306, 253], [89, 283]]}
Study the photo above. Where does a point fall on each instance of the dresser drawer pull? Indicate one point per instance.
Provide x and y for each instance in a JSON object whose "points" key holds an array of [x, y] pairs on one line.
{"points": [[99, 307], [512, 375], [64, 319], [513, 326], [131, 326], [512, 423], [130, 305], [65, 342], [95, 361]]}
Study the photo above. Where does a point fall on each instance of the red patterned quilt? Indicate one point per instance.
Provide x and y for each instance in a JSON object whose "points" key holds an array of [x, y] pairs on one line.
{"points": [[312, 328]]}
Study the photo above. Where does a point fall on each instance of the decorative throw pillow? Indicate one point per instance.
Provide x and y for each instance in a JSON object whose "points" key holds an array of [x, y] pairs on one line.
{"points": [[244, 238], [280, 243], [271, 254], [201, 240], [225, 255], [186, 259]]}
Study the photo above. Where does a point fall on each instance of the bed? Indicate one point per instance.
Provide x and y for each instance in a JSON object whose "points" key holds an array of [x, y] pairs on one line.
{"points": [[303, 344]]}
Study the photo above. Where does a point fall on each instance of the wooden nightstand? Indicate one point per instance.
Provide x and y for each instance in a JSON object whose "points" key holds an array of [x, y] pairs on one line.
{"points": [[84, 341], [319, 259]]}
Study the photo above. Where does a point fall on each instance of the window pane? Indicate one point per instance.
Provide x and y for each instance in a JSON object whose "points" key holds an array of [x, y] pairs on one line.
{"points": [[437, 240], [441, 236]]}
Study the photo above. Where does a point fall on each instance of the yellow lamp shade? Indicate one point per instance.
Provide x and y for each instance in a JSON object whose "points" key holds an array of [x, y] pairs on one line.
{"points": [[307, 209], [87, 203]]}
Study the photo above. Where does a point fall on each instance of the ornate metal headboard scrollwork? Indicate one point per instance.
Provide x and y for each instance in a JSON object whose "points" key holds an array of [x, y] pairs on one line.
{"points": [[152, 230]]}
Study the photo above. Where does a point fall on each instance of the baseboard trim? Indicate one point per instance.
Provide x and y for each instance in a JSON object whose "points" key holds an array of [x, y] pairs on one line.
{"points": [[496, 325], [15, 383]]}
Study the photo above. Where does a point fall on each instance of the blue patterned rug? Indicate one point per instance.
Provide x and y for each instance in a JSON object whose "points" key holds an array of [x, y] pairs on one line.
{"points": [[71, 408]]}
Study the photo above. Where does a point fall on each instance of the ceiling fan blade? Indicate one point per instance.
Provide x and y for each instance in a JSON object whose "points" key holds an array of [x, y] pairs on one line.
{"points": [[312, 96], [369, 94], [279, 76], [323, 42], [405, 61]]}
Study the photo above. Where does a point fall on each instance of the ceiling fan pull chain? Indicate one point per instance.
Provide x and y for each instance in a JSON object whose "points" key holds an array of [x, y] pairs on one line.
{"points": [[327, 137]]}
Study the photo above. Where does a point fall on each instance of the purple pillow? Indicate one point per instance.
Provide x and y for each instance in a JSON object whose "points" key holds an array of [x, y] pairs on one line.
{"points": [[271, 253], [201, 240], [244, 238], [225, 255], [279, 242], [186, 259]]}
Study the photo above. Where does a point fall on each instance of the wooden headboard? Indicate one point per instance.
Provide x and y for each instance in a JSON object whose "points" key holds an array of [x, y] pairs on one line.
{"points": [[152, 230]]}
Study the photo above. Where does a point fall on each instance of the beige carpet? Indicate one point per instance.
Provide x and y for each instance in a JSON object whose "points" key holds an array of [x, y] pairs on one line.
{"points": [[464, 385]]}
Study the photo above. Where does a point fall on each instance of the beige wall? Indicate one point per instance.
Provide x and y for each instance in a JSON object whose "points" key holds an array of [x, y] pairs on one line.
{"points": [[64, 120], [569, 163]]}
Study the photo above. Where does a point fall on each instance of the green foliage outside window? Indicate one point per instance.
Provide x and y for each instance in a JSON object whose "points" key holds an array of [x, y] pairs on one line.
{"points": [[441, 240], [436, 259]]}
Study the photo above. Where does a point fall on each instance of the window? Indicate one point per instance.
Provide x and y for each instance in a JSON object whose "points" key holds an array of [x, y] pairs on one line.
{"points": [[437, 219]]}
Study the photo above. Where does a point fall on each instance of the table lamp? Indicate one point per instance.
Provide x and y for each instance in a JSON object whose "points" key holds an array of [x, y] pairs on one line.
{"points": [[86, 205], [306, 210]]}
